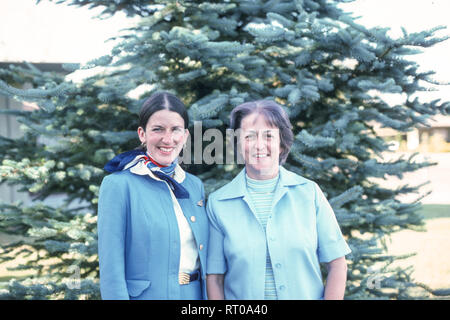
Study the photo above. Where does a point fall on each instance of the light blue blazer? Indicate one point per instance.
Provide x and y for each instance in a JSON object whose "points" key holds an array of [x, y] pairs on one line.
{"points": [[138, 237], [302, 231]]}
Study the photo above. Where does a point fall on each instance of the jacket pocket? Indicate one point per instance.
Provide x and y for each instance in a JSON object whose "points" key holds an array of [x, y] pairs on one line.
{"points": [[136, 287]]}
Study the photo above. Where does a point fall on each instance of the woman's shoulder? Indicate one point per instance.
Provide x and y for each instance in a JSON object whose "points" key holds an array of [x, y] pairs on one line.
{"points": [[232, 189], [193, 178], [118, 178], [193, 181], [293, 177]]}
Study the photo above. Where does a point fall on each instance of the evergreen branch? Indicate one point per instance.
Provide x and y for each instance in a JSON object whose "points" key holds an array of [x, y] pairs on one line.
{"points": [[32, 93], [345, 197]]}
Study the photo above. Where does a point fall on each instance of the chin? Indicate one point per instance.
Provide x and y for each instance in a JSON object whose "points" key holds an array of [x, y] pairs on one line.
{"points": [[263, 171], [165, 161]]}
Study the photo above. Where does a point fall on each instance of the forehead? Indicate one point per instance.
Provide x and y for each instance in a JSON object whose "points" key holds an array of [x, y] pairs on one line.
{"points": [[165, 118], [256, 121]]}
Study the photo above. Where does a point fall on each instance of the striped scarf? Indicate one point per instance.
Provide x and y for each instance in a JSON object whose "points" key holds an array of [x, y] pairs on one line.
{"points": [[129, 159]]}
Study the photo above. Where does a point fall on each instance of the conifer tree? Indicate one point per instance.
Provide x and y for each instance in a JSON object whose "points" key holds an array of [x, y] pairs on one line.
{"points": [[329, 73]]}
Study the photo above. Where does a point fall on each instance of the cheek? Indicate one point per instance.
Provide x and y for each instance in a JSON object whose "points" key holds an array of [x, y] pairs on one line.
{"points": [[245, 147], [180, 139], [151, 139], [274, 146]]}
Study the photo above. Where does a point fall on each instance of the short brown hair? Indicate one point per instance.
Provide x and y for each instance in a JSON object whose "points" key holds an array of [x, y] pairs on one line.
{"points": [[274, 115]]}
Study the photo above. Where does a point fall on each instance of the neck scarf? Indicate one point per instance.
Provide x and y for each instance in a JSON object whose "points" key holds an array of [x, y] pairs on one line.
{"points": [[129, 159]]}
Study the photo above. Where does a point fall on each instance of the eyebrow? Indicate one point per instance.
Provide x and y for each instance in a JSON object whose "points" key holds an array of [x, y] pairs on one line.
{"points": [[163, 127], [264, 130]]}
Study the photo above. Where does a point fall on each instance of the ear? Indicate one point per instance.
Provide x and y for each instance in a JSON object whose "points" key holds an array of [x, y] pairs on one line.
{"points": [[141, 134], [186, 135]]}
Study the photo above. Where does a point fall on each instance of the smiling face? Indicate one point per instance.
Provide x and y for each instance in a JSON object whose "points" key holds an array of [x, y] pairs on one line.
{"points": [[164, 136], [260, 146]]}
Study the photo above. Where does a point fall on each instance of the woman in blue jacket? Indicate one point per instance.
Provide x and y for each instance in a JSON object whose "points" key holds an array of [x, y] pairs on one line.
{"points": [[270, 228], [152, 224]]}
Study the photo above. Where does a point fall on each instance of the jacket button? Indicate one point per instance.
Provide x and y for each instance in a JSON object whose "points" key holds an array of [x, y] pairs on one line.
{"points": [[193, 218], [201, 247]]}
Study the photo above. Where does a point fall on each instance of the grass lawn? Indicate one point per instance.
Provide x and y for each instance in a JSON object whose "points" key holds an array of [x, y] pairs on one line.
{"points": [[431, 211], [432, 260]]}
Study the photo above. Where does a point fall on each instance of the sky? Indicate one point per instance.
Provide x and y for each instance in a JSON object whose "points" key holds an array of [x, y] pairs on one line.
{"points": [[414, 16], [48, 32], [60, 33]]}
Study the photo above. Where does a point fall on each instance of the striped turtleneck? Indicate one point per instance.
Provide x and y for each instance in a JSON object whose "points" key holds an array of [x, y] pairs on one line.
{"points": [[261, 194]]}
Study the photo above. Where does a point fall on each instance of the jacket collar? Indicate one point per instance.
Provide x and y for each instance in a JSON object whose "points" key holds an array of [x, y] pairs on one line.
{"points": [[141, 169], [237, 187]]}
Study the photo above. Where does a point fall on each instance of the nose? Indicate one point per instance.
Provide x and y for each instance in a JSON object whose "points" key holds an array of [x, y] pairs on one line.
{"points": [[260, 143], [167, 138]]}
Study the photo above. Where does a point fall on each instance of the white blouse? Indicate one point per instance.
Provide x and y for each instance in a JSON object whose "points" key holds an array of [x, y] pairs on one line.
{"points": [[189, 258]]}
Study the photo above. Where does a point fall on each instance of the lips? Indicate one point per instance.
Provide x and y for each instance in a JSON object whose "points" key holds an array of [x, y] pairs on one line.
{"points": [[166, 150], [258, 156]]}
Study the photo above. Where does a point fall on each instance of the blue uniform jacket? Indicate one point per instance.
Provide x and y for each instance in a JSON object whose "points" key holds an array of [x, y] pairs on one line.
{"points": [[138, 237]]}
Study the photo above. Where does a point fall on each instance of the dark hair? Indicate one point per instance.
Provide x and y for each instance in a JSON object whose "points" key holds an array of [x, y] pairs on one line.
{"points": [[162, 101], [274, 115]]}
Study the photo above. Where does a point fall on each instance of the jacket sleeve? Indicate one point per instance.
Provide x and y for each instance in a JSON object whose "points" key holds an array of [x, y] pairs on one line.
{"points": [[113, 206], [332, 244], [216, 263]]}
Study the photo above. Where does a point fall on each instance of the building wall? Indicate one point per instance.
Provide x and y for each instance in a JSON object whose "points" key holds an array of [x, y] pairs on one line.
{"points": [[437, 176], [10, 128]]}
